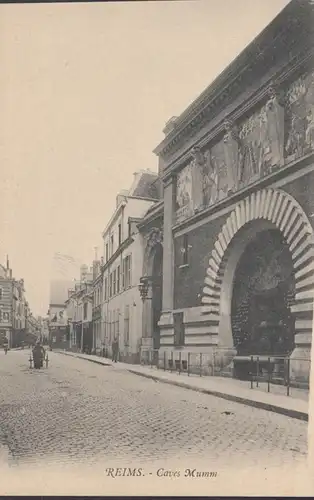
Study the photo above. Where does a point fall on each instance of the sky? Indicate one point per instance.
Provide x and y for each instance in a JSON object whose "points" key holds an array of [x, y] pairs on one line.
{"points": [[85, 91]]}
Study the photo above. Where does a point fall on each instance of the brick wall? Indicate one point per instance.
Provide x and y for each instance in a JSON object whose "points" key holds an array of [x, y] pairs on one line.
{"points": [[302, 191], [189, 280]]}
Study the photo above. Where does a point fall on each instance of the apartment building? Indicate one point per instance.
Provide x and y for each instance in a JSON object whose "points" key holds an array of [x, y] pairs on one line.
{"points": [[122, 266]]}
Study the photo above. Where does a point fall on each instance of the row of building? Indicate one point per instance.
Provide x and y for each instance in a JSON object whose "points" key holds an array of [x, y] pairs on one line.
{"points": [[214, 254], [18, 326]]}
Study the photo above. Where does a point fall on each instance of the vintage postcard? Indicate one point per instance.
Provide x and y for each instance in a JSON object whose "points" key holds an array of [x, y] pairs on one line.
{"points": [[156, 248]]}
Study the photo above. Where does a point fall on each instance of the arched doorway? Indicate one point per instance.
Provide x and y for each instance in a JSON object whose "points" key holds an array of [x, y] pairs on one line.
{"points": [[262, 296], [152, 305], [279, 213]]}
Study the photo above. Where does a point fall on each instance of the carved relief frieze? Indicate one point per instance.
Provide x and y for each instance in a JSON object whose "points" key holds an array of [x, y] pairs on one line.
{"points": [[299, 119], [202, 182], [215, 175], [184, 204], [282, 126]]}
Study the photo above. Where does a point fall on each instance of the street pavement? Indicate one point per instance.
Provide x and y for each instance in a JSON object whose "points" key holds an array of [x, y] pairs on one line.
{"points": [[80, 412]]}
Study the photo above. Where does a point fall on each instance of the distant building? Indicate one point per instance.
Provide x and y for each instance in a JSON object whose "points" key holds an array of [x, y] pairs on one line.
{"points": [[58, 323], [79, 311], [14, 309], [98, 340]]}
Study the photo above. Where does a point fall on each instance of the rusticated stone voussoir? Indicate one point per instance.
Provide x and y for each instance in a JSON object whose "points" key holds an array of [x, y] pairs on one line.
{"points": [[282, 210]]}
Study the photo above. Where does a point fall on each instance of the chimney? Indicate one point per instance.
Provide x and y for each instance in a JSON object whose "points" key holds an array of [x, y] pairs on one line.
{"points": [[96, 268], [121, 196]]}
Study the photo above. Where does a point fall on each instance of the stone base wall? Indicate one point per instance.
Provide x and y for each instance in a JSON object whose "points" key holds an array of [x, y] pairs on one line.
{"points": [[205, 360]]}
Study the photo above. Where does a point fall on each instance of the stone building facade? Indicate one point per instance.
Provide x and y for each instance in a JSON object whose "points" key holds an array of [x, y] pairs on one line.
{"points": [[122, 267], [238, 173], [16, 320]]}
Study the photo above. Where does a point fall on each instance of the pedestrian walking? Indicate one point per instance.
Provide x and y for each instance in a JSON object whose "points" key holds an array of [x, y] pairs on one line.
{"points": [[115, 349]]}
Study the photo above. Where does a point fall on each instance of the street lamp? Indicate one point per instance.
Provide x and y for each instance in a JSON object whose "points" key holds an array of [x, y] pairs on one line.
{"points": [[143, 287]]}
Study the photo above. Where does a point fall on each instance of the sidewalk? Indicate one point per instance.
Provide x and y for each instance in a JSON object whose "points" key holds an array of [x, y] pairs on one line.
{"points": [[295, 405]]}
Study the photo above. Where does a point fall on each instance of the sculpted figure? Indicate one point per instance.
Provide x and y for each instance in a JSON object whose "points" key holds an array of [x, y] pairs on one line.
{"points": [[197, 178], [231, 143], [210, 179], [309, 134], [184, 187], [155, 236], [275, 127], [309, 100]]}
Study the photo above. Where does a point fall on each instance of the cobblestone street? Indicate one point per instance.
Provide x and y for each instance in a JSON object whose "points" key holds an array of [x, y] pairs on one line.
{"points": [[76, 411]]}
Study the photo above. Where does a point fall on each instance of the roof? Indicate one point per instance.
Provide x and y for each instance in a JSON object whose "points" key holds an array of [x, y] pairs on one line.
{"points": [[146, 186]]}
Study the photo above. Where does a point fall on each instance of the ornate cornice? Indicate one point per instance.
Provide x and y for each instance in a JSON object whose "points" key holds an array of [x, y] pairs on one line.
{"points": [[156, 212], [216, 129], [291, 26]]}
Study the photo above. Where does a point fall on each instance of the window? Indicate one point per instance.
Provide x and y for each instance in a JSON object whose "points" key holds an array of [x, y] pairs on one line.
{"points": [[114, 281], [6, 316], [85, 310], [118, 279], [107, 252], [126, 325], [127, 278], [1, 294], [106, 288], [110, 285], [0, 315], [111, 245], [185, 250], [120, 234]]}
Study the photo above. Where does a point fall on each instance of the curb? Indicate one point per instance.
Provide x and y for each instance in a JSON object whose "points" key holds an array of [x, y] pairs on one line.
{"points": [[230, 397], [299, 415], [85, 359]]}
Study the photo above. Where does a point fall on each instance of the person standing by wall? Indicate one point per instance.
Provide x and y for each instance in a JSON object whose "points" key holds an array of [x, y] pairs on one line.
{"points": [[115, 349]]}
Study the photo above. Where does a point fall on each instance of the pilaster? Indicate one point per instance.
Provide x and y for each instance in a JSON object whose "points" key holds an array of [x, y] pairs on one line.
{"points": [[168, 252]]}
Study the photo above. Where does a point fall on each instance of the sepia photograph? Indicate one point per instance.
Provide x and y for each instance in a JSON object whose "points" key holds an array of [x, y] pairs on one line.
{"points": [[156, 247]]}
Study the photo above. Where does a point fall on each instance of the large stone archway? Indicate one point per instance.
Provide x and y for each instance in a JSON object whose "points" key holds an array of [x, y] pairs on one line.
{"points": [[266, 209]]}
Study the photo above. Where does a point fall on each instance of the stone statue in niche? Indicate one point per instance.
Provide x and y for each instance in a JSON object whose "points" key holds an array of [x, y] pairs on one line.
{"points": [[300, 116], [198, 162], [154, 237], [231, 146]]}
